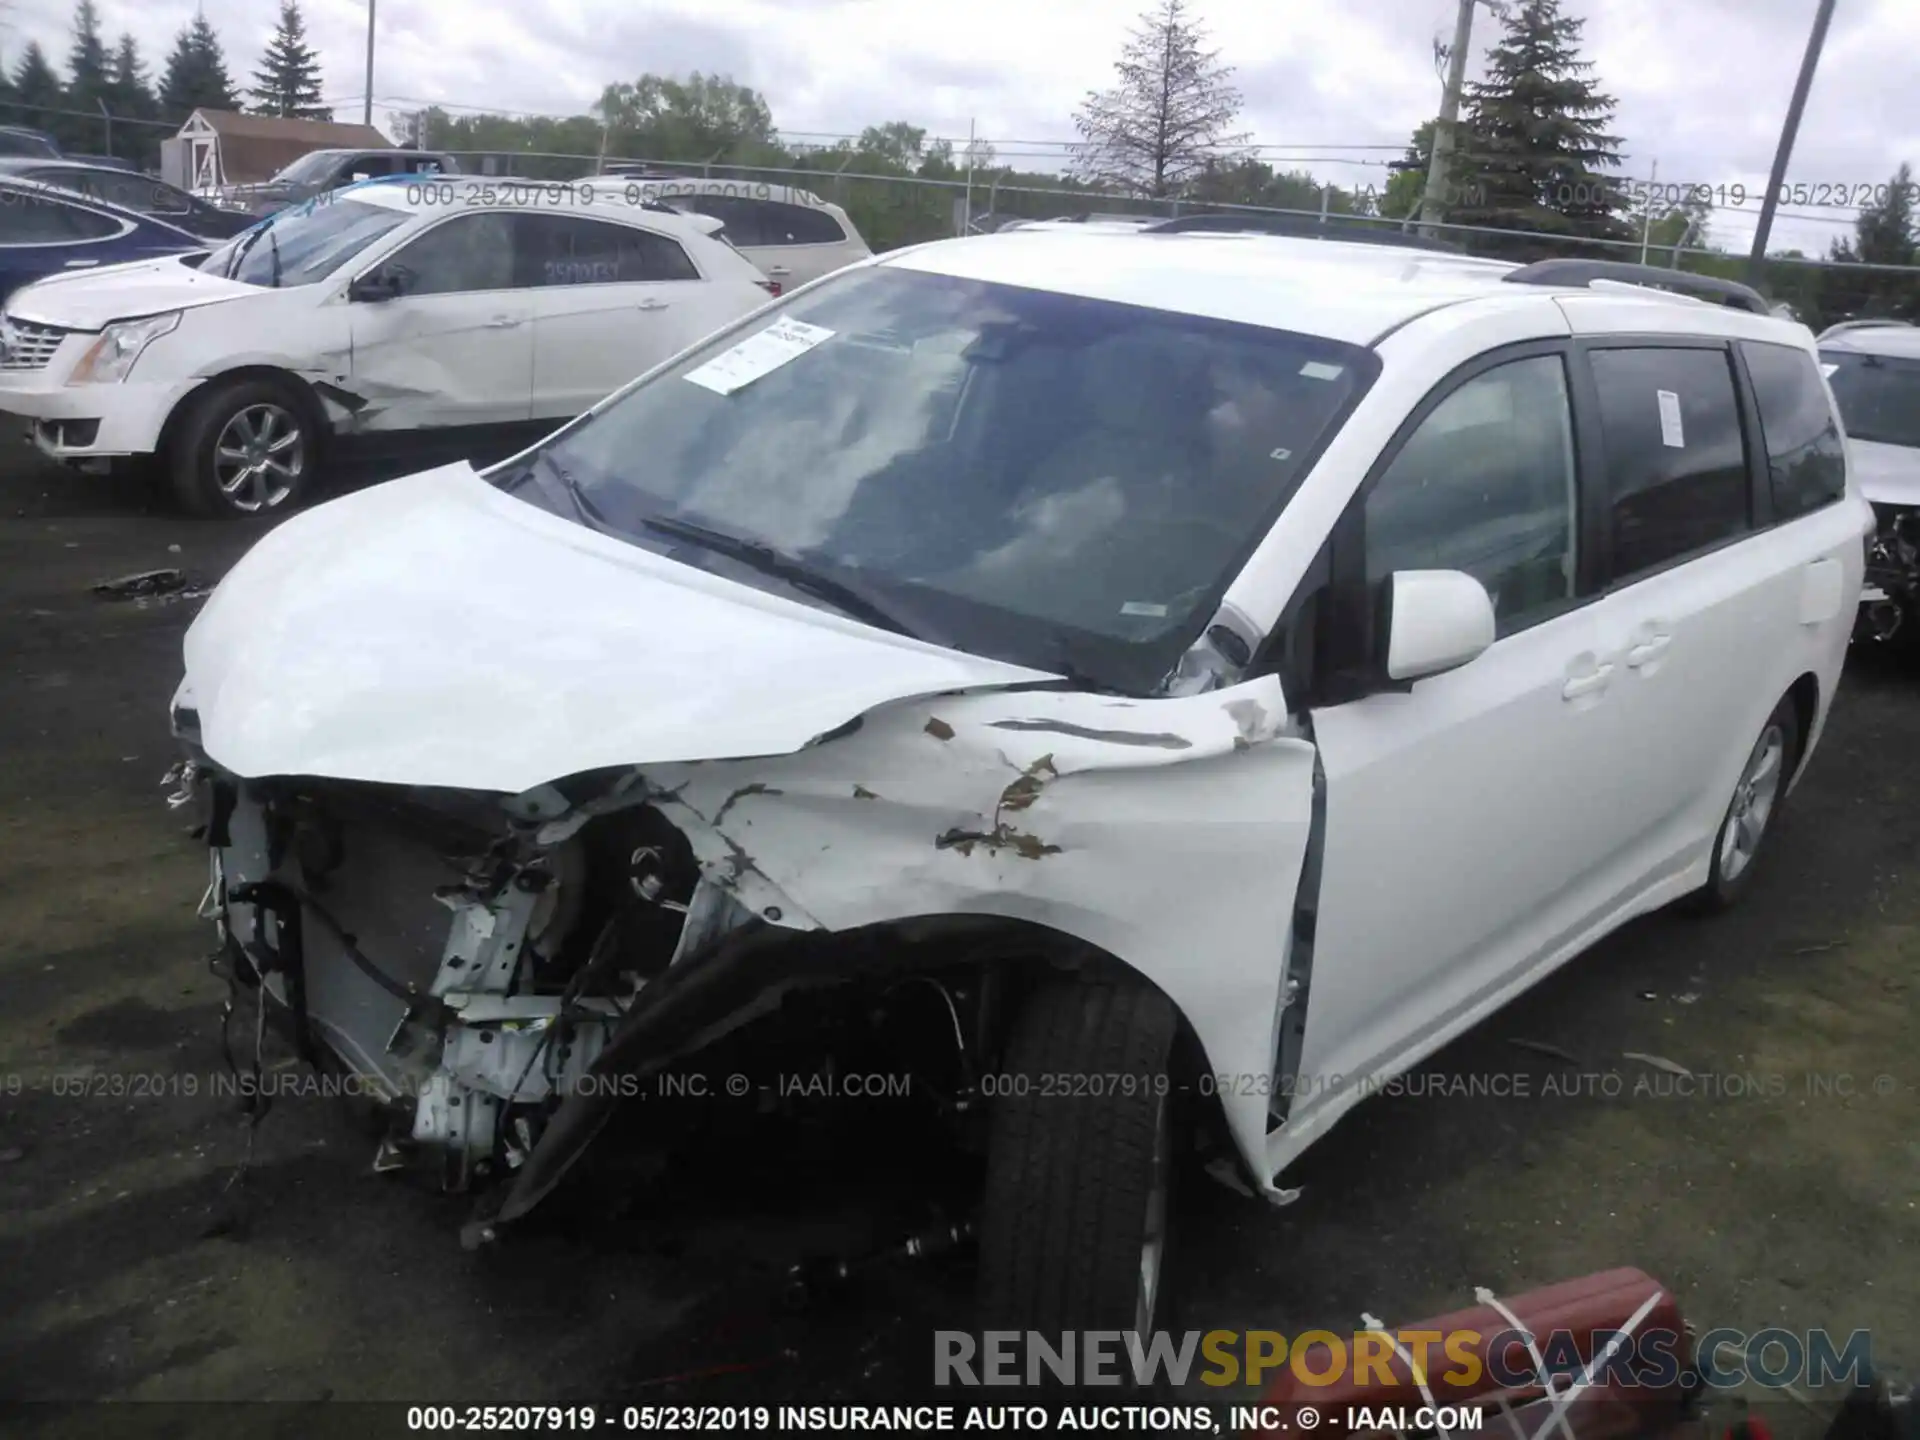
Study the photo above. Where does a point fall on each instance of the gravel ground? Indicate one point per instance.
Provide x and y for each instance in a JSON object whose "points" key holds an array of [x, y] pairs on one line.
{"points": [[1794, 1205]]}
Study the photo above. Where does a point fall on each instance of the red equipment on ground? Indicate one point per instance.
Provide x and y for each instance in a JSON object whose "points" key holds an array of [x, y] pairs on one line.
{"points": [[1585, 1359]]}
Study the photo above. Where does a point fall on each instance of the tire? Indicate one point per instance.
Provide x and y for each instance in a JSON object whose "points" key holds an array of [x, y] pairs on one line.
{"points": [[226, 418], [1079, 1184], [1757, 796]]}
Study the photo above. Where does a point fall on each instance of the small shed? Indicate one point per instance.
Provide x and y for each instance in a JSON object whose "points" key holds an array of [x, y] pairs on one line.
{"points": [[222, 147]]}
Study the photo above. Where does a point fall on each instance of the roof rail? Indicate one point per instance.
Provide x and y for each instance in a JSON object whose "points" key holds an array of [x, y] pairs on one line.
{"points": [[1299, 227], [1585, 272], [1845, 325]]}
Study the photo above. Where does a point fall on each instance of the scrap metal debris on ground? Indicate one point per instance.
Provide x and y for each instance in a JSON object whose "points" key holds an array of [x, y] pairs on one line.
{"points": [[144, 588]]}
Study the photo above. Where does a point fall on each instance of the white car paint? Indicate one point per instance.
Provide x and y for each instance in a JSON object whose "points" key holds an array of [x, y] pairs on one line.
{"points": [[1889, 474], [384, 636], [415, 362], [1483, 825], [789, 261]]}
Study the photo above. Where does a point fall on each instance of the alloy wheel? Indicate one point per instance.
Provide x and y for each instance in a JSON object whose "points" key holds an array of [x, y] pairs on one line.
{"points": [[259, 457]]}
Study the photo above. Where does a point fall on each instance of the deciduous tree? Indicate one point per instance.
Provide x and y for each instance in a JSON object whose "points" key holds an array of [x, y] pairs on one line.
{"points": [[1167, 117]]}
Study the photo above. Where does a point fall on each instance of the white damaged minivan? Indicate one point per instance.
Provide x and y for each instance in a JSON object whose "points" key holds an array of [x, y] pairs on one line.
{"points": [[1158, 686]]}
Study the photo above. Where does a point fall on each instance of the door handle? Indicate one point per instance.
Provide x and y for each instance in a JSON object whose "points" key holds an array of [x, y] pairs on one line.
{"points": [[779, 270], [503, 322], [1647, 651], [1594, 681], [651, 305]]}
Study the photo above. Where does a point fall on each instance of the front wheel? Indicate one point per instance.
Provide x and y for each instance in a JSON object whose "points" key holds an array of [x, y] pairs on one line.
{"points": [[244, 448], [1076, 1219], [1756, 801]]}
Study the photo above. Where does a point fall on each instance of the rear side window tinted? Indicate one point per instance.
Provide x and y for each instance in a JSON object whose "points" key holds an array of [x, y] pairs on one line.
{"points": [[1676, 463], [562, 250], [1806, 465], [1878, 396], [741, 217], [33, 219], [799, 225]]}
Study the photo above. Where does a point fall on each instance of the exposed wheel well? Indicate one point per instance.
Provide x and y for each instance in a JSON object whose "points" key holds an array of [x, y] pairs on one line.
{"points": [[1805, 694], [294, 384]]}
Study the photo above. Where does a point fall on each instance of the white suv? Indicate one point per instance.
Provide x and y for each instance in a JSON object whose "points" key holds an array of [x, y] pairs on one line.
{"points": [[392, 305], [791, 234], [1148, 682], [1873, 367]]}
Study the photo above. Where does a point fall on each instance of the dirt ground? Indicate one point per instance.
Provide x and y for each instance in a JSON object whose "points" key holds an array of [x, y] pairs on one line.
{"points": [[1787, 1197]]}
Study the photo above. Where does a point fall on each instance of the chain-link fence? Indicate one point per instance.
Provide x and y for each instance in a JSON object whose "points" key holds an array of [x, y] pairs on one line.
{"points": [[897, 209], [892, 208]]}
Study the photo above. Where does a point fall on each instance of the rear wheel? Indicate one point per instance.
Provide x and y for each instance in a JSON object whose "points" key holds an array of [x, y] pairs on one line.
{"points": [[1756, 801], [1077, 1219], [244, 448]]}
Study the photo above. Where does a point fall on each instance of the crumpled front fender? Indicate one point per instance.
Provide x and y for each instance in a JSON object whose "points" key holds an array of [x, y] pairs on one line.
{"points": [[1169, 833]]}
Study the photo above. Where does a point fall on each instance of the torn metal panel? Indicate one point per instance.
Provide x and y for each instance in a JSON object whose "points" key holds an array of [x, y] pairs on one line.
{"points": [[1181, 861]]}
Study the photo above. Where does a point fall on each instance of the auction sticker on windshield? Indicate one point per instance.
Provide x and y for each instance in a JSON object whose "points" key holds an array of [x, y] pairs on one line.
{"points": [[779, 344]]}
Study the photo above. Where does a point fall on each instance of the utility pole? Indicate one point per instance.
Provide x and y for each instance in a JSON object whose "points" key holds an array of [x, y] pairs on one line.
{"points": [[1809, 62], [1434, 204], [366, 105], [1646, 218]]}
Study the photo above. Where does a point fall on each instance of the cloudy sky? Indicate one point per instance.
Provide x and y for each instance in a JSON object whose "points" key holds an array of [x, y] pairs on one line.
{"points": [[1702, 84]]}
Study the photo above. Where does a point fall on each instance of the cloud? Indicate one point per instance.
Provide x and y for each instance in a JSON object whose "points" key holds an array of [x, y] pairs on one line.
{"points": [[1701, 87]]}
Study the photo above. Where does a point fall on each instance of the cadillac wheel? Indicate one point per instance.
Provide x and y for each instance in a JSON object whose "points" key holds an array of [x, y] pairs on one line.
{"points": [[246, 447]]}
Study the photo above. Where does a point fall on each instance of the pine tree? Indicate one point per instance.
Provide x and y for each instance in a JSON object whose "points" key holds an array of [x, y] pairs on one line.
{"points": [[288, 80], [87, 85], [196, 75], [1883, 234], [1536, 136], [130, 96], [37, 91]]}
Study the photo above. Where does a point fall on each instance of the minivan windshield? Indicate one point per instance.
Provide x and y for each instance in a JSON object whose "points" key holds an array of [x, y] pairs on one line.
{"points": [[304, 244], [1878, 395], [1058, 481]]}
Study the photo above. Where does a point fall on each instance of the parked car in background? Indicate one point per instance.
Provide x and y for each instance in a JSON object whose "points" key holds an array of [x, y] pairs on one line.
{"points": [[1156, 688], [1873, 368], [18, 140], [389, 308], [321, 171], [49, 231], [792, 235], [140, 193]]}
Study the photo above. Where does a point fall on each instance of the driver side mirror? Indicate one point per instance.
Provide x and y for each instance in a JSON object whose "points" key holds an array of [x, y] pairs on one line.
{"points": [[1436, 620], [386, 283]]}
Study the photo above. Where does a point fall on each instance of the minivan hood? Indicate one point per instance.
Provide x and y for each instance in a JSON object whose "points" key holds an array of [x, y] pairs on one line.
{"points": [[435, 631], [1888, 474], [95, 298]]}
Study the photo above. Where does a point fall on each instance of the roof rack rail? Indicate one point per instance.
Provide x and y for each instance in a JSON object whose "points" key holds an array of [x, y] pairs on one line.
{"points": [[1585, 272], [1845, 325], [1300, 227]]}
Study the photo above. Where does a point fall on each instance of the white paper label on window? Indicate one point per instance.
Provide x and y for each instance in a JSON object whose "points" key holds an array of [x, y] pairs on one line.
{"points": [[779, 344], [1319, 370], [1144, 608], [1826, 371], [1670, 431]]}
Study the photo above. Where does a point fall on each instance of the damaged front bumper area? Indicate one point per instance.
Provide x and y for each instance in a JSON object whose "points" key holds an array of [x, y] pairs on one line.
{"points": [[431, 946], [1891, 591]]}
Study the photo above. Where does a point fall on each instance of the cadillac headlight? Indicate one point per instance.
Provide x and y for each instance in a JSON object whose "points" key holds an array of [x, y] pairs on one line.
{"points": [[109, 359]]}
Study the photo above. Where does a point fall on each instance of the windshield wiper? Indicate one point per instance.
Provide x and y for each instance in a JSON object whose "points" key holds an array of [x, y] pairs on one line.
{"points": [[844, 595], [240, 250], [273, 248]]}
